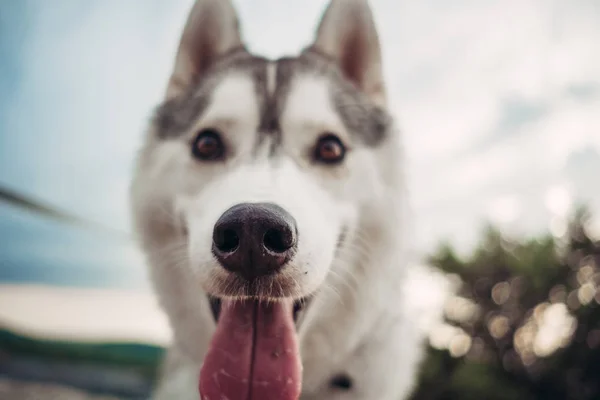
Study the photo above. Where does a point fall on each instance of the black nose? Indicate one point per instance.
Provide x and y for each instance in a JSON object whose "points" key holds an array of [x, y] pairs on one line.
{"points": [[254, 239]]}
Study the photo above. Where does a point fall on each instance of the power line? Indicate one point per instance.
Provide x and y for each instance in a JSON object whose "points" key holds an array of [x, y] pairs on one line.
{"points": [[38, 207]]}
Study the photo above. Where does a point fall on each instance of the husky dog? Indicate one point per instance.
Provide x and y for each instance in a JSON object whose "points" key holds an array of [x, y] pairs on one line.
{"points": [[269, 200]]}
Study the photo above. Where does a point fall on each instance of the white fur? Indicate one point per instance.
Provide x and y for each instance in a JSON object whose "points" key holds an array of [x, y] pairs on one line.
{"points": [[310, 118], [356, 323], [233, 101]]}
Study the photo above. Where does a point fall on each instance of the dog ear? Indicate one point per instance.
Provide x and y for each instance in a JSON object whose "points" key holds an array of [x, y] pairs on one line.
{"points": [[211, 30], [347, 34]]}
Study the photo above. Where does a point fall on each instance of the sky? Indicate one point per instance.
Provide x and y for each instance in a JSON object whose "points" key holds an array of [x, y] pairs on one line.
{"points": [[498, 102]]}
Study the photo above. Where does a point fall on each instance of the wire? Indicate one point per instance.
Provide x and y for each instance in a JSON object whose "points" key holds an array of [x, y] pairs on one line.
{"points": [[38, 207]]}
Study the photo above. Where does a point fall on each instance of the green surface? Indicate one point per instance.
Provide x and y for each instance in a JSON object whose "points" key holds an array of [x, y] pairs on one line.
{"points": [[142, 357]]}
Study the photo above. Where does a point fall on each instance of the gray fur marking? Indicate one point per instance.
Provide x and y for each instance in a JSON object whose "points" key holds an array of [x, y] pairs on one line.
{"points": [[366, 122]]}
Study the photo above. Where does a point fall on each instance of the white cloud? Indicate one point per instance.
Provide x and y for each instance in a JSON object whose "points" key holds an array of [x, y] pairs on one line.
{"points": [[459, 64]]}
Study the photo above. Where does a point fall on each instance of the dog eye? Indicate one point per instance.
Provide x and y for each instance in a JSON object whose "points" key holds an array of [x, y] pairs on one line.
{"points": [[330, 150], [208, 145]]}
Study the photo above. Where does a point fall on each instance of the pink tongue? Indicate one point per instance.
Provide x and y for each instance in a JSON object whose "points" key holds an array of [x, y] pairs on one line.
{"points": [[253, 355]]}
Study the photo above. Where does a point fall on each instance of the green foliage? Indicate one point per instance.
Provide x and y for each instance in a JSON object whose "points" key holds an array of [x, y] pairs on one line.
{"points": [[524, 292]]}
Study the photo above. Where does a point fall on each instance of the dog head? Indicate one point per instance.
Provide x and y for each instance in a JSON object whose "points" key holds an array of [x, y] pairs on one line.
{"points": [[258, 176]]}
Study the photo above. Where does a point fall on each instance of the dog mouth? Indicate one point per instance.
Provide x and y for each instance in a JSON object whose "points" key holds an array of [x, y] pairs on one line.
{"points": [[298, 309]]}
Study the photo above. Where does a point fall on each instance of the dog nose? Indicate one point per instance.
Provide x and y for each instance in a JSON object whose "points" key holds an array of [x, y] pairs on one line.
{"points": [[254, 239]]}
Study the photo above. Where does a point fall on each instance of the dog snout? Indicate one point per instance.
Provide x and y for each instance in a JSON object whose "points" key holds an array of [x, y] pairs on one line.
{"points": [[254, 239]]}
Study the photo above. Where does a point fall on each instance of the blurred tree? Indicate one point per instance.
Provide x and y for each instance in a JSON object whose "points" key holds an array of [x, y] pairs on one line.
{"points": [[526, 320]]}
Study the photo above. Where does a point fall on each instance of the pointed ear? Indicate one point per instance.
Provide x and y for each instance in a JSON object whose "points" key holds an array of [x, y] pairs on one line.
{"points": [[212, 29], [347, 34]]}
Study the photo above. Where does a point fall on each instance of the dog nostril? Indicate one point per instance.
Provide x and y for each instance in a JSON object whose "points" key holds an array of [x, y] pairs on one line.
{"points": [[226, 240], [278, 240]]}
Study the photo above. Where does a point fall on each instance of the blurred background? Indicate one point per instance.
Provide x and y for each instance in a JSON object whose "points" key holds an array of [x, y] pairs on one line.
{"points": [[499, 104]]}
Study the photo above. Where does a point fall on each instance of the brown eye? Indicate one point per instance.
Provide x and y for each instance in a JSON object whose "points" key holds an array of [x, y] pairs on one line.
{"points": [[330, 150], [208, 145]]}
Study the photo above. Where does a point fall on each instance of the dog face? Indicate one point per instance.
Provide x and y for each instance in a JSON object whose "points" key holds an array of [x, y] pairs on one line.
{"points": [[257, 175]]}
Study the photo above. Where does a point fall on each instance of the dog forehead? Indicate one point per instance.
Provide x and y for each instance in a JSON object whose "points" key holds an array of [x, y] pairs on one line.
{"points": [[262, 95], [309, 104], [271, 96], [234, 99]]}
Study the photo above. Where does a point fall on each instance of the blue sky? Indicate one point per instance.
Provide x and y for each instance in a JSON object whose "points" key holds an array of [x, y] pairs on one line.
{"points": [[498, 100]]}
